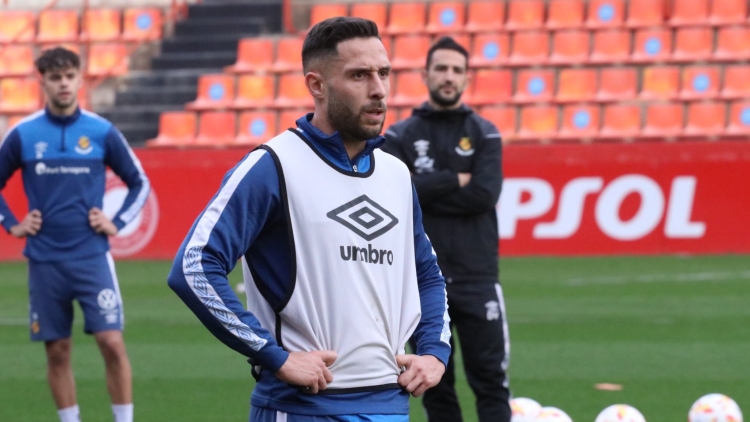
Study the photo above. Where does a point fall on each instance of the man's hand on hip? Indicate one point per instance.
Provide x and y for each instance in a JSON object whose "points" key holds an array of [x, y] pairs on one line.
{"points": [[464, 179], [30, 225], [308, 369], [100, 223], [422, 373]]}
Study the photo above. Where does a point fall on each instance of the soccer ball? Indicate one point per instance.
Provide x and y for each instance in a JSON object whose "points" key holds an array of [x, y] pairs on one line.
{"points": [[620, 413], [524, 410], [715, 408], [553, 414]]}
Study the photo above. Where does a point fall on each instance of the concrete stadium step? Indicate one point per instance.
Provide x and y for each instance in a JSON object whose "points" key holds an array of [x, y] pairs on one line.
{"points": [[270, 10], [220, 26], [164, 78], [156, 95], [223, 43], [207, 61], [137, 134]]}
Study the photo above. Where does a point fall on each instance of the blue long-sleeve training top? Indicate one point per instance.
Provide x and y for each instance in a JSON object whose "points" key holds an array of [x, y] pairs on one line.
{"points": [[254, 224], [63, 161]]}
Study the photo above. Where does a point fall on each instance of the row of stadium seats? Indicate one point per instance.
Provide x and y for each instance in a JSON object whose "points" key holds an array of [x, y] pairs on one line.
{"points": [[576, 122], [101, 59], [23, 95], [62, 25], [477, 16]]}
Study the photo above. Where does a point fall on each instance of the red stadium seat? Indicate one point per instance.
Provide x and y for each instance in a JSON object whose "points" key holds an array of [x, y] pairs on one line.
{"points": [[446, 16], [700, 82], [570, 46], [617, 83], [256, 127], [214, 91], [538, 122], [565, 14], [693, 44], [407, 17], [410, 51], [534, 85], [19, 95], [321, 12], [293, 92], [391, 116], [525, 14], [490, 86], [410, 90], [101, 25], [288, 118], [175, 128], [660, 82], [664, 119], [621, 121], [255, 91], [530, 47], [643, 13], [216, 128], [736, 82], [108, 59], [489, 50], [485, 16], [689, 12], [142, 24], [57, 25], [579, 122], [253, 55], [576, 85], [605, 13], [504, 119], [16, 60], [739, 118], [288, 55], [732, 43], [18, 26], [611, 46], [464, 40], [726, 12], [652, 45], [376, 12], [706, 119]]}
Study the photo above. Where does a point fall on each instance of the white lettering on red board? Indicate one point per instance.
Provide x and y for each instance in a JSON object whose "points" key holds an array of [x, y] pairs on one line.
{"points": [[540, 197]]}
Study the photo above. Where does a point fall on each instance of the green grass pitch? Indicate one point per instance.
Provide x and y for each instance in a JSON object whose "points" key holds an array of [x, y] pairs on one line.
{"points": [[668, 329]]}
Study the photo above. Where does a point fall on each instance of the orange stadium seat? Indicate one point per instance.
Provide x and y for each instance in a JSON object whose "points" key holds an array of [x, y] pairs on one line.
{"points": [[491, 86], [391, 116], [410, 90], [485, 16], [617, 83], [376, 12], [214, 91], [464, 40], [576, 84], [525, 14], [530, 47], [321, 12], [489, 50], [292, 92], [646, 13], [605, 13], [19, 95], [15, 119], [621, 121], [739, 117], [693, 44], [652, 45], [565, 14], [611, 46], [660, 82], [216, 128], [579, 121], [663, 119], [57, 25], [700, 82], [538, 122], [288, 55], [733, 43], [175, 128], [570, 46], [388, 44], [410, 51], [725, 12], [407, 17], [16, 60], [108, 59], [18, 26], [504, 119], [255, 91], [446, 16], [706, 118], [288, 118], [256, 127], [736, 81], [142, 24], [253, 55], [534, 85], [689, 12], [101, 25]]}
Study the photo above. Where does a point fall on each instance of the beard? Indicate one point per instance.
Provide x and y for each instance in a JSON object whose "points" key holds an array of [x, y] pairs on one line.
{"points": [[443, 101], [64, 104], [349, 123]]}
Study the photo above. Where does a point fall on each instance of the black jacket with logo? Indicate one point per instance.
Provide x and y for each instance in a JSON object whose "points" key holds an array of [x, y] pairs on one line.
{"points": [[460, 221]]}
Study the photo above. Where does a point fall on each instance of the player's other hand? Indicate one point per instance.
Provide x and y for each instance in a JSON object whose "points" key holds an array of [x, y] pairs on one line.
{"points": [[308, 370], [464, 179], [422, 373], [30, 225], [100, 223]]}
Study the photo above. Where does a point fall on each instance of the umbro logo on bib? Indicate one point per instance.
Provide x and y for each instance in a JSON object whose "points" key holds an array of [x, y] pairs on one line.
{"points": [[364, 217]]}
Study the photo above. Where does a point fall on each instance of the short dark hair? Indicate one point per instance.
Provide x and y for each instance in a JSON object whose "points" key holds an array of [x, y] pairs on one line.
{"points": [[57, 58], [324, 38], [446, 43]]}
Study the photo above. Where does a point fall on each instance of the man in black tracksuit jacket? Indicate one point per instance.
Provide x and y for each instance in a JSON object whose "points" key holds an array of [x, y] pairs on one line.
{"points": [[455, 159]]}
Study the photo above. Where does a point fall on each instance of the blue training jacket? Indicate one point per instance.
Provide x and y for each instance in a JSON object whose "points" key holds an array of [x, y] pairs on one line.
{"points": [[63, 161], [253, 224]]}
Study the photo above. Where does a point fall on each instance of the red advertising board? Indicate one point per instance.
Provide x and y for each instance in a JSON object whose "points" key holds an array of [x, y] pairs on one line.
{"points": [[650, 198]]}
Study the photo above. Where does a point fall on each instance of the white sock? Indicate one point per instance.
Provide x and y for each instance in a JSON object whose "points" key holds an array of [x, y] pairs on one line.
{"points": [[69, 414], [123, 412]]}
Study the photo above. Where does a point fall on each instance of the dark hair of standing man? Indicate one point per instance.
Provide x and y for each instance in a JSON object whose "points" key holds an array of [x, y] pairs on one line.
{"points": [[323, 39], [446, 43], [57, 58]]}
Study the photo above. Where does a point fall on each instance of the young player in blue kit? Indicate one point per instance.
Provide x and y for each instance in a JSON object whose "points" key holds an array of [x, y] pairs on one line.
{"points": [[338, 271], [63, 153]]}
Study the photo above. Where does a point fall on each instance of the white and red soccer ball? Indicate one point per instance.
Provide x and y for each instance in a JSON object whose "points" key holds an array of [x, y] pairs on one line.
{"points": [[715, 408], [553, 414], [620, 413], [524, 410]]}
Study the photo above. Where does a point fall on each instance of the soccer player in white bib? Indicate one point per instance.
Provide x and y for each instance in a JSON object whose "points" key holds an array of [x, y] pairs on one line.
{"points": [[339, 273]]}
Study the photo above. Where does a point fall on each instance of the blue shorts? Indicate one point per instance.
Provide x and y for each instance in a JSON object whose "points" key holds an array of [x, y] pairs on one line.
{"points": [[261, 414], [54, 285]]}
